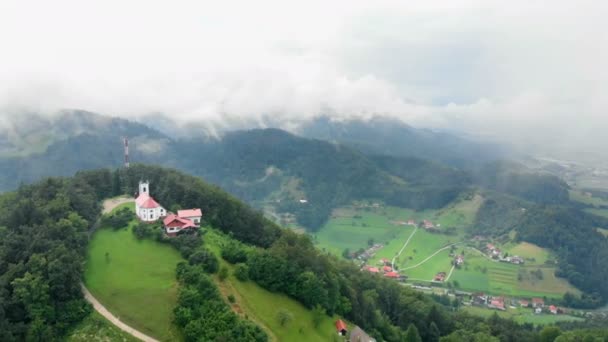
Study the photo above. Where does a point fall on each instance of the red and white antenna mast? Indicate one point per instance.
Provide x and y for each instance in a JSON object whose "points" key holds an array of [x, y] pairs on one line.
{"points": [[126, 141]]}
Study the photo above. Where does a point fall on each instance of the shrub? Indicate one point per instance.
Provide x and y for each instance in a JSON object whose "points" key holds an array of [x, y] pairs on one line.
{"points": [[234, 253], [223, 273], [206, 259], [241, 272]]}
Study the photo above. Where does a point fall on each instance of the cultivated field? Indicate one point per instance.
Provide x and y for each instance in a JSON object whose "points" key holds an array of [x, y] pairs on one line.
{"points": [[262, 306], [135, 280]]}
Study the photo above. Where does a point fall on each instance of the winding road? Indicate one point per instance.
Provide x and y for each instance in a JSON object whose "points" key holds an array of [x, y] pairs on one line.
{"points": [[109, 205]]}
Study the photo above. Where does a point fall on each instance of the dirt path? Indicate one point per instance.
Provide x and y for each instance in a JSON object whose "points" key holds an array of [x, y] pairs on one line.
{"points": [[113, 319], [432, 255], [110, 204], [450, 274], [402, 248]]}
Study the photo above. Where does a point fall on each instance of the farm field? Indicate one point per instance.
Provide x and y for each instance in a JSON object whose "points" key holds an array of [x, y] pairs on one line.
{"points": [[532, 254], [95, 328], [479, 273], [441, 262], [579, 196], [134, 279], [351, 227], [253, 301], [522, 315]]}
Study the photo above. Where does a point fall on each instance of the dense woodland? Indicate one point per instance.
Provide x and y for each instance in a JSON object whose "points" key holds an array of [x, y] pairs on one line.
{"points": [[43, 237]]}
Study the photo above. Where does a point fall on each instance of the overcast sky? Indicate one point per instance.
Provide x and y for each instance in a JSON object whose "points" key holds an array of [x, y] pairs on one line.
{"points": [[534, 71]]}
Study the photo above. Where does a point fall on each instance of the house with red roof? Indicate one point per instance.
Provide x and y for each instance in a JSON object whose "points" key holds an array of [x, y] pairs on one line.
{"points": [[372, 269], [146, 207], [393, 275], [193, 215], [497, 303], [538, 302], [174, 224], [341, 327], [553, 309], [387, 269]]}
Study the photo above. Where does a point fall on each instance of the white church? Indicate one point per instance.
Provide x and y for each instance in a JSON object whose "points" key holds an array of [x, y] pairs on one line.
{"points": [[146, 208]]}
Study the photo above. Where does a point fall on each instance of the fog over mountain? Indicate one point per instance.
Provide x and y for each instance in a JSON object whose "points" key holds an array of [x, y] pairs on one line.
{"points": [[530, 73]]}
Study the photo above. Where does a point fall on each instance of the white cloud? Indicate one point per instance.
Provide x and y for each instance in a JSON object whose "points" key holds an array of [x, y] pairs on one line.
{"points": [[523, 70]]}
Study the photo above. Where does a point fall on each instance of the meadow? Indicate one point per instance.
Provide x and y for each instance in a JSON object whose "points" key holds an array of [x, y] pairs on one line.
{"points": [[521, 315], [95, 328], [580, 196], [263, 306], [134, 279]]}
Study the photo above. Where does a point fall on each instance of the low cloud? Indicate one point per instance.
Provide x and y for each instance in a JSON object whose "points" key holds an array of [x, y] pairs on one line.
{"points": [[533, 73]]}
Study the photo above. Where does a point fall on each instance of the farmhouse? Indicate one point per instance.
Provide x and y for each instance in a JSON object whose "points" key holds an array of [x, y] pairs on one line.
{"points": [[428, 224], [480, 298], [524, 303], [439, 276], [387, 269], [193, 215], [393, 275], [459, 260], [371, 269], [174, 224], [553, 309], [538, 302], [146, 208], [341, 327], [497, 303], [411, 222]]}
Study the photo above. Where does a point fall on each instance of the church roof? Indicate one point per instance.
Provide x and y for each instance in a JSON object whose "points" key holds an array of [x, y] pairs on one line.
{"points": [[147, 202]]}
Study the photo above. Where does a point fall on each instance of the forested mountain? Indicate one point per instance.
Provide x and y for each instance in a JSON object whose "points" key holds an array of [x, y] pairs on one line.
{"points": [[515, 179], [401, 140], [262, 166], [45, 234]]}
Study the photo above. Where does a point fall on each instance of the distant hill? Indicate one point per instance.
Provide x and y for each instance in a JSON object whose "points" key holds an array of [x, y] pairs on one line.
{"points": [[269, 168], [393, 137]]}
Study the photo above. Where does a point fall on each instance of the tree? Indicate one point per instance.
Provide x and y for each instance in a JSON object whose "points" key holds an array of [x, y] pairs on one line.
{"points": [[241, 272], [412, 335], [318, 313], [434, 334], [206, 259], [284, 317], [549, 333], [223, 273], [370, 242]]}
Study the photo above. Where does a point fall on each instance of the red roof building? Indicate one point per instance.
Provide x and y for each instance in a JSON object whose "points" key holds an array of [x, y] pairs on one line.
{"points": [[391, 275], [341, 327], [553, 309], [373, 269], [192, 214], [387, 269], [175, 224], [538, 302]]}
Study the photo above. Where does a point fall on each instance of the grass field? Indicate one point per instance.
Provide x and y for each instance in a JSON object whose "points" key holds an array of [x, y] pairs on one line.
{"points": [[95, 328], [262, 306], [532, 254], [598, 212], [352, 227], [134, 279], [482, 274], [521, 315], [579, 196]]}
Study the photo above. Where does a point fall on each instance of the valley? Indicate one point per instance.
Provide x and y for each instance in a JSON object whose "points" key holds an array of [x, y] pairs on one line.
{"points": [[397, 237]]}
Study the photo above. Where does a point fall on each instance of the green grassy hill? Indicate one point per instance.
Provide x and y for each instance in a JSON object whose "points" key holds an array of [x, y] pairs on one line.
{"points": [[95, 328], [134, 279], [262, 306]]}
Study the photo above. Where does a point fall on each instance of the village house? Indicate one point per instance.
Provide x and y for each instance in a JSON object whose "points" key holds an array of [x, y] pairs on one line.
{"points": [[553, 309], [538, 310], [524, 303], [497, 303], [459, 260], [341, 327], [146, 208], [538, 303], [428, 224], [174, 224], [440, 277], [387, 269], [193, 215], [480, 299], [371, 269], [411, 222], [393, 275]]}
